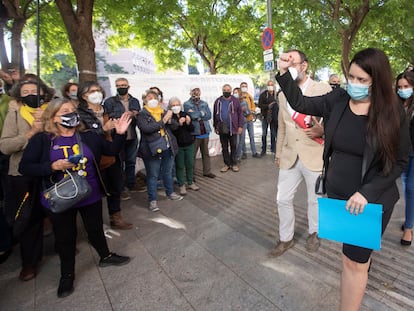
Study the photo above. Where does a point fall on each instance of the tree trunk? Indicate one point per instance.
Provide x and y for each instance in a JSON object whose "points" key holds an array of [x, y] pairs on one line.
{"points": [[78, 24], [346, 50], [16, 45], [349, 33]]}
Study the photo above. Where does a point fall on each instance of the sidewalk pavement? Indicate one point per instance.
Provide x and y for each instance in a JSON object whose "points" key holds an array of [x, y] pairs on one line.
{"points": [[209, 252]]}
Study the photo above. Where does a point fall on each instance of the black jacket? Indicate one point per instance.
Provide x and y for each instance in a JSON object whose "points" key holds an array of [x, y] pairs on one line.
{"points": [[265, 99], [376, 187], [183, 132]]}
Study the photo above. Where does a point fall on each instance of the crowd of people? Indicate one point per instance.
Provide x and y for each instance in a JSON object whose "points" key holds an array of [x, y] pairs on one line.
{"points": [[314, 127]]}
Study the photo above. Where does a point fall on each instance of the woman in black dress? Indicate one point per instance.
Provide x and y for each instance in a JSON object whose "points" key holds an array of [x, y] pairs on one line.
{"points": [[366, 149]]}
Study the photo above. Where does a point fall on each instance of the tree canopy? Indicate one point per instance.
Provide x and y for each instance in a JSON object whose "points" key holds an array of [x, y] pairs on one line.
{"points": [[225, 35]]}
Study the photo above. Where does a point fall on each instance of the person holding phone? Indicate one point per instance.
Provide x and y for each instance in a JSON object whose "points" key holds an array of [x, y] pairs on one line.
{"points": [[46, 158]]}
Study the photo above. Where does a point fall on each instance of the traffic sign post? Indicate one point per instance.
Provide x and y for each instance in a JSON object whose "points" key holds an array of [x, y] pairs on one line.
{"points": [[268, 38], [269, 65]]}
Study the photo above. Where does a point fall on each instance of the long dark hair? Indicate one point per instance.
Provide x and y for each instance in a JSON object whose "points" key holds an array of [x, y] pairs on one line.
{"points": [[384, 117], [409, 102]]}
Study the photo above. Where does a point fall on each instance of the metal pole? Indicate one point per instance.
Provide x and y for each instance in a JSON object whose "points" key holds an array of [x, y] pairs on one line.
{"points": [[269, 25], [269, 13], [38, 51]]}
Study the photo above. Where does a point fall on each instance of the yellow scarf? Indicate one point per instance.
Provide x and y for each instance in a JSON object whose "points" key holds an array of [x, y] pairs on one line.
{"points": [[156, 113], [27, 112]]}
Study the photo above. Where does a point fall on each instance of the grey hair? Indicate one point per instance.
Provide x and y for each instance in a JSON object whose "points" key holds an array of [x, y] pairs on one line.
{"points": [[172, 100]]}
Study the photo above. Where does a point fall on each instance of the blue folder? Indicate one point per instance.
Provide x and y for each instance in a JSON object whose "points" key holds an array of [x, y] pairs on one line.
{"points": [[337, 224]]}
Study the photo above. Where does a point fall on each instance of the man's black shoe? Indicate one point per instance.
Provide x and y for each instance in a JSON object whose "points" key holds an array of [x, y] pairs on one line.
{"points": [[65, 285], [114, 260]]}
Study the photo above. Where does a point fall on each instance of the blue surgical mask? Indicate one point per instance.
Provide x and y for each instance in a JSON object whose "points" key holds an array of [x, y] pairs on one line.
{"points": [[405, 93], [357, 91]]}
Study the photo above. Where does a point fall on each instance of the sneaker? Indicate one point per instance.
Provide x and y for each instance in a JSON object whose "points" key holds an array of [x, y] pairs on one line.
{"points": [[153, 206], [65, 285], [194, 187], [312, 242], [256, 155], [244, 156], [114, 260], [281, 247], [175, 197], [125, 195], [210, 175], [235, 168], [183, 191], [224, 169], [263, 153]]}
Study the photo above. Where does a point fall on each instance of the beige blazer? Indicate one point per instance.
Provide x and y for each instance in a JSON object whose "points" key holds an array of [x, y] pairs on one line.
{"points": [[292, 141], [13, 140]]}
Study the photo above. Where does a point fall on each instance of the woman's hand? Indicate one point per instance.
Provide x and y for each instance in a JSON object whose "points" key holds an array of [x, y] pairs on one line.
{"points": [[121, 125], [109, 125], [187, 119], [284, 62], [356, 203], [181, 121], [61, 165], [167, 116]]}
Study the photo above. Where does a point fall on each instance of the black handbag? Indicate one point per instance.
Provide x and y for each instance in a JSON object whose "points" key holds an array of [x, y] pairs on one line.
{"points": [[320, 188], [320, 185], [222, 128], [67, 192], [23, 215]]}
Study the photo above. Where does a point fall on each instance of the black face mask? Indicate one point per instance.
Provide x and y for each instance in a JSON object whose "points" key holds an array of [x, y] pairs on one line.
{"points": [[69, 120], [226, 94], [122, 90], [334, 85], [31, 100]]}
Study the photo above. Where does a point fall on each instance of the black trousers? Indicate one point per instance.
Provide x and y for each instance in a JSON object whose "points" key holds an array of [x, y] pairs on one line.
{"points": [[230, 159], [113, 179], [64, 228], [31, 240]]}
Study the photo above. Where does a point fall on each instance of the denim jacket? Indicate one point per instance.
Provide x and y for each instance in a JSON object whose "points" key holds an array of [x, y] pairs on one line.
{"points": [[200, 111]]}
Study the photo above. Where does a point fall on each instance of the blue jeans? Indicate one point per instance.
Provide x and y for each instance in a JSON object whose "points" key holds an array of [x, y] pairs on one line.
{"points": [[159, 167], [408, 189], [265, 126], [241, 146], [130, 158]]}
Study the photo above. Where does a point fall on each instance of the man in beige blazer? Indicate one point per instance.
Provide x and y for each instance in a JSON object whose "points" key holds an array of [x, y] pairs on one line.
{"points": [[299, 151]]}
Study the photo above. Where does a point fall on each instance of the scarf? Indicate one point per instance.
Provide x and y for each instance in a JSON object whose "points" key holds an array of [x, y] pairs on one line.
{"points": [[156, 113], [27, 112]]}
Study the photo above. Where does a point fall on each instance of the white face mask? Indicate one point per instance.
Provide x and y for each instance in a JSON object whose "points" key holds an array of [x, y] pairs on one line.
{"points": [[152, 103], [244, 89], [95, 98], [293, 72], [176, 109], [270, 88]]}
